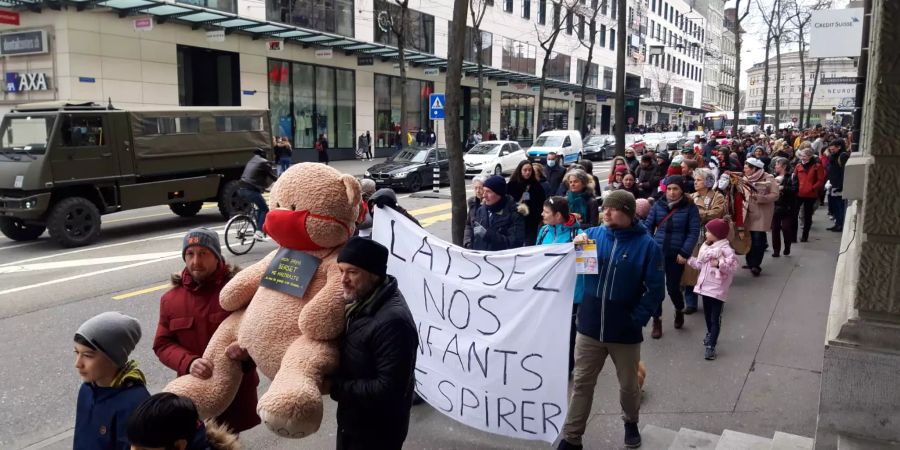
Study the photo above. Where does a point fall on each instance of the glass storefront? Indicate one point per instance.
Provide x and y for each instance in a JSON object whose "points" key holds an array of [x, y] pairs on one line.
{"points": [[517, 116], [590, 116], [554, 115], [387, 108], [472, 113], [306, 101]]}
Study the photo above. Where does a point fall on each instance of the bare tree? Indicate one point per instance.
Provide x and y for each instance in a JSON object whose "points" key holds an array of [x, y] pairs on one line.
{"points": [[800, 18], [663, 91], [397, 23], [451, 124], [477, 9], [769, 20], [589, 14], [812, 92], [547, 36], [738, 41], [620, 77]]}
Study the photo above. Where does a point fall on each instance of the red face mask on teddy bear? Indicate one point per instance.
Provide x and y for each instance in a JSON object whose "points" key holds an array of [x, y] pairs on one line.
{"points": [[288, 228]]}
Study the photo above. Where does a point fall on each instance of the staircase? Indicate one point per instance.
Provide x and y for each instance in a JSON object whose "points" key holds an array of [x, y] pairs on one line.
{"points": [[658, 438]]}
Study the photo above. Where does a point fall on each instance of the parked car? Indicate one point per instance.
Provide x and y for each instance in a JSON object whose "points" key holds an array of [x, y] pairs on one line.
{"points": [[671, 138], [493, 158], [652, 140], [411, 168], [596, 147], [635, 142], [566, 143]]}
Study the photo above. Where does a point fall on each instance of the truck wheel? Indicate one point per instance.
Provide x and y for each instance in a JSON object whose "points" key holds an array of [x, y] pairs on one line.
{"points": [[74, 222], [187, 209], [17, 230], [230, 202]]}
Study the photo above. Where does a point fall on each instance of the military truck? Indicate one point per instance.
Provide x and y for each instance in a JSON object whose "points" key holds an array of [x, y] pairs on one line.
{"points": [[63, 165]]}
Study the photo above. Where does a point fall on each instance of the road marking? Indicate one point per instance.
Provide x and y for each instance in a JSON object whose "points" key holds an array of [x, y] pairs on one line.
{"points": [[208, 205], [86, 262], [431, 209], [429, 221], [142, 291], [19, 245]]}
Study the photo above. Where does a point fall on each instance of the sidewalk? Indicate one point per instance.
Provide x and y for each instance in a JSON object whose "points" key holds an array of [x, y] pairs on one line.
{"points": [[355, 167]]}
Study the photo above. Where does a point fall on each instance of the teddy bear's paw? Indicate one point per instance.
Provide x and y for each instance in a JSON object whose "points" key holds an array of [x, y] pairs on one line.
{"points": [[287, 427]]}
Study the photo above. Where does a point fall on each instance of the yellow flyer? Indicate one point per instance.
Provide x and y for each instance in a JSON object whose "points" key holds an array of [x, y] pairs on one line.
{"points": [[586, 258]]}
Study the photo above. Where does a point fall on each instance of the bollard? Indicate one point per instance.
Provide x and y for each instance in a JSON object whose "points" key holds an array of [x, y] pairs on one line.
{"points": [[436, 188]]}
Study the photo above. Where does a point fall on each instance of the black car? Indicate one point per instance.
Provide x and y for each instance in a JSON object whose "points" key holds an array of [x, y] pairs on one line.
{"points": [[411, 168], [599, 147]]}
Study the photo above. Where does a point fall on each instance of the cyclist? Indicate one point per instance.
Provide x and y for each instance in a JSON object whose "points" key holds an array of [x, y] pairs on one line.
{"points": [[257, 177]]}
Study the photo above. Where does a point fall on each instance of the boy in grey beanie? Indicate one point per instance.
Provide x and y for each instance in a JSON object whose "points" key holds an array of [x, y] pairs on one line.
{"points": [[113, 386]]}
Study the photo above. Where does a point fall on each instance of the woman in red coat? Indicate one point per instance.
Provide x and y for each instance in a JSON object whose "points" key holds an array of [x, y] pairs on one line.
{"points": [[810, 178], [189, 314]]}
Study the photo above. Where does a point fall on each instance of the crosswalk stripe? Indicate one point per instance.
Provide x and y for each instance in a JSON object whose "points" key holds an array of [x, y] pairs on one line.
{"points": [[431, 209]]}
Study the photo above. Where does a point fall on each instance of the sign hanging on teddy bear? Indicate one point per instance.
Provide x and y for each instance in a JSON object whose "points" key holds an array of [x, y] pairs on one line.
{"points": [[290, 272]]}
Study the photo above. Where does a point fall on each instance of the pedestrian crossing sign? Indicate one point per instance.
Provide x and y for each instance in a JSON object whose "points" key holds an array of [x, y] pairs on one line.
{"points": [[436, 104]]}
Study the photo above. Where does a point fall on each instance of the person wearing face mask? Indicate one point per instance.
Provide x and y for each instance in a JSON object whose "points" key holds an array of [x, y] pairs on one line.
{"points": [[498, 225], [810, 176], [554, 172], [674, 222], [760, 208]]}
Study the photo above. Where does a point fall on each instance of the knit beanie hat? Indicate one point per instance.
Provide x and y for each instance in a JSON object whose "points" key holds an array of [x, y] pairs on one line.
{"points": [[642, 208], [112, 333], [365, 254], [677, 180], [718, 227], [621, 200], [203, 237], [497, 184]]}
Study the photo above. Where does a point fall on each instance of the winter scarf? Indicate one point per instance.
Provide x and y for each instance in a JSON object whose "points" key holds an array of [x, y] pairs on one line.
{"points": [[129, 373], [577, 203]]}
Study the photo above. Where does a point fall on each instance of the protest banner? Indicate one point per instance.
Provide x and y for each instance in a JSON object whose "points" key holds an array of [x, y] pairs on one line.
{"points": [[493, 327]]}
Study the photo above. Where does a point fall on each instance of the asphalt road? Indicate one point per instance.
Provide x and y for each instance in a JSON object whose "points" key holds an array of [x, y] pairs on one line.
{"points": [[766, 378]]}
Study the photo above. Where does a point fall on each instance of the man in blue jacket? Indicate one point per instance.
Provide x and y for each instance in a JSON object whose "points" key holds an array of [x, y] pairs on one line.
{"points": [[615, 305]]}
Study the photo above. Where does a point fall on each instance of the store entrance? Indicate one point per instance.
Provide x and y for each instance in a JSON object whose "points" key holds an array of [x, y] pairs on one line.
{"points": [[208, 77]]}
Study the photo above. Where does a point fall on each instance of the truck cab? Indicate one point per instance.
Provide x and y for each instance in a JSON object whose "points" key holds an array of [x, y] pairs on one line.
{"points": [[63, 165]]}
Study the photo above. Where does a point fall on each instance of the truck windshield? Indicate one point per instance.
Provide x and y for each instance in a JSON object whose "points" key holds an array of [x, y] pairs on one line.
{"points": [[548, 141], [25, 134]]}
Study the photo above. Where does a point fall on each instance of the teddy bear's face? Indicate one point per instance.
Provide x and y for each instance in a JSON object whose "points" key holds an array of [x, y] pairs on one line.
{"points": [[313, 206]]}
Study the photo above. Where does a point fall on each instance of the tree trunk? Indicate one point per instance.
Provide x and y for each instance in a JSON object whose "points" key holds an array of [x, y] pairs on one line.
{"points": [[777, 81], [451, 124], [540, 105], [585, 74], [401, 44], [802, 85], [812, 92], [621, 120], [765, 98]]}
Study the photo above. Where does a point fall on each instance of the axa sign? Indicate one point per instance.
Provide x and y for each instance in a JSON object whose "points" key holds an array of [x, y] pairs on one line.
{"points": [[26, 82], [835, 33]]}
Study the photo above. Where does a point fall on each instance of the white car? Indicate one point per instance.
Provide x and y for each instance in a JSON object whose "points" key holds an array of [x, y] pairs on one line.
{"points": [[493, 158], [652, 140]]}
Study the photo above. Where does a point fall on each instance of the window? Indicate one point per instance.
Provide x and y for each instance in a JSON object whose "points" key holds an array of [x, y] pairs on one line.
{"points": [[608, 78], [558, 67], [387, 107], [604, 9], [612, 11], [593, 73], [526, 9], [170, 125], [221, 5], [519, 56], [507, 6], [470, 53], [581, 27], [517, 115], [332, 16], [569, 23], [554, 115], [653, 5], [82, 131], [542, 12], [238, 123], [602, 35], [420, 35], [612, 39]]}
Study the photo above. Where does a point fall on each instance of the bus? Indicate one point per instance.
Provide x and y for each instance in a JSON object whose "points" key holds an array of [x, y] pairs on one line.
{"points": [[724, 120]]}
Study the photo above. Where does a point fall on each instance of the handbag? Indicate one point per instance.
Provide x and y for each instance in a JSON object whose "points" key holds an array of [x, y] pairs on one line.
{"points": [[738, 239]]}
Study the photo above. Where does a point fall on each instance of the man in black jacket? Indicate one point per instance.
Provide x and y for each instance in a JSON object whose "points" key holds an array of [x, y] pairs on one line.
{"points": [[374, 385], [258, 175]]}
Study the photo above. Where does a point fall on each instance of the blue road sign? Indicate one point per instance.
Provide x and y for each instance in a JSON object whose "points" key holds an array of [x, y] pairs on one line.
{"points": [[436, 104], [758, 116]]}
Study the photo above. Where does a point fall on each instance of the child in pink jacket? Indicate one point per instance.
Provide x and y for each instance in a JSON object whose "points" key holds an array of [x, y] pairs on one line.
{"points": [[717, 265]]}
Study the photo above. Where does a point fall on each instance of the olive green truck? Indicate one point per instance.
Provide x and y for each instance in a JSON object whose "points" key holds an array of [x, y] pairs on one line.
{"points": [[64, 165]]}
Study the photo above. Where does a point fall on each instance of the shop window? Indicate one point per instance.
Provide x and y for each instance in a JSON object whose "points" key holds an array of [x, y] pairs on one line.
{"points": [[419, 34], [516, 117], [332, 16], [170, 125], [82, 131], [208, 77], [238, 123], [554, 115], [387, 108]]}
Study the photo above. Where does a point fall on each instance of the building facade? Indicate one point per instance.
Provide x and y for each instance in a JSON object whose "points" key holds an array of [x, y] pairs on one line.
{"points": [[330, 67], [836, 87]]}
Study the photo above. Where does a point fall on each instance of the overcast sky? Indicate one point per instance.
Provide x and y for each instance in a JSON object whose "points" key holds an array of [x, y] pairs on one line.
{"points": [[754, 50]]}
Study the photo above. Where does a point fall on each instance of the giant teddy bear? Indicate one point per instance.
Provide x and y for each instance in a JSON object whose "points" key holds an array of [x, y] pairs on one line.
{"points": [[293, 340]]}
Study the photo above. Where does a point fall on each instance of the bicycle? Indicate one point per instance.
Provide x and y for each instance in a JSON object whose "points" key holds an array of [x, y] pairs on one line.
{"points": [[240, 231]]}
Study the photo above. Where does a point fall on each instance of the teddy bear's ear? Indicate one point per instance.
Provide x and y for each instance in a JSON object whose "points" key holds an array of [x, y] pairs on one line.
{"points": [[354, 191]]}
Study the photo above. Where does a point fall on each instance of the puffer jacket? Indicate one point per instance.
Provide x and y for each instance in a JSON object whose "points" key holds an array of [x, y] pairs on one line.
{"points": [[560, 234], [678, 234], [810, 178], [714, 281], [504, 223], [617, 303]]}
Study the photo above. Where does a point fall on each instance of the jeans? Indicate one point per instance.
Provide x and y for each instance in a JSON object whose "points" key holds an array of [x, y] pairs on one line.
{"points": [[839, 208], [783, 224], [283, 164], [590, 355], [255, 197], [808, 205], [758, 245], [712, 311], [674, 271]]}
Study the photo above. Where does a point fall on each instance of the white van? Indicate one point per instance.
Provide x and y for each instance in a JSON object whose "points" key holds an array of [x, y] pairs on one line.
{"points": [[566, 143]]}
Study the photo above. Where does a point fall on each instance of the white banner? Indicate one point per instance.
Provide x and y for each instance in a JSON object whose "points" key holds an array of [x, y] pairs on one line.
{"points": [[835, 32], [493, 328]]}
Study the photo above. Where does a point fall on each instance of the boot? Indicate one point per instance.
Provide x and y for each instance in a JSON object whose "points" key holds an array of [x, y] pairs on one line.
{"points": [[679, 319], [566, 445], [632, 435], [657, 328]]}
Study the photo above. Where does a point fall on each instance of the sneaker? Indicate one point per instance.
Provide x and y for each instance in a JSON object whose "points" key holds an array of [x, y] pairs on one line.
{"points": [[566, 445], [632, 435], [710, 353], [657, 329], [690, 310], [679, 320], [706, 340], [259, 236]]}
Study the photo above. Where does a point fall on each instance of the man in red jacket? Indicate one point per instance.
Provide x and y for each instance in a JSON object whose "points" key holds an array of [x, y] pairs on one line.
{"points": [[810, 178], [189, 314]]}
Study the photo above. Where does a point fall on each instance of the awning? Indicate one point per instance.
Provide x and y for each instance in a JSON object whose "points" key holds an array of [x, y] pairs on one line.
{"points": [[198, 17], [675, 106]]}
